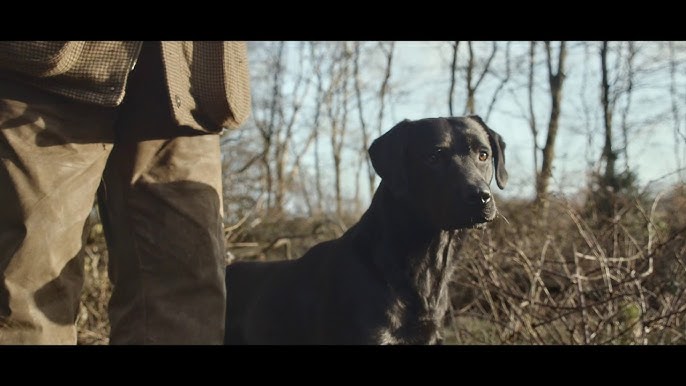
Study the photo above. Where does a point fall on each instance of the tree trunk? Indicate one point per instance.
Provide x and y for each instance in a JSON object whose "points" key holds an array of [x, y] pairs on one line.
{"points": [[268, 130], [338, 115], [364, 158], [609, 156], [469, 106], [631, 55], [556, 81], [471, 85], [532, 114], [503, 81], [453, 70], [318, 62], [676, 115]]}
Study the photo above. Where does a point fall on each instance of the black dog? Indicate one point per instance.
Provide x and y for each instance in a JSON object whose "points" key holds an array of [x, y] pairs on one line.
{"points": [[385, 280]]}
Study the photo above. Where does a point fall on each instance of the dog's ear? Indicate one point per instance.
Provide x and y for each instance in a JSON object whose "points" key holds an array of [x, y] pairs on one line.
{"points": [[387, 155], [498, 148]]}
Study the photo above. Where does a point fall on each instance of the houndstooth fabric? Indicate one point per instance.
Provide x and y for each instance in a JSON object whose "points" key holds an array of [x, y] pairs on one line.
{"points": [[208, 82]]}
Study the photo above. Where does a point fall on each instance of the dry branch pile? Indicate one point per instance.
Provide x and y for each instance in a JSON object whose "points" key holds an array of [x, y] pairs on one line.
{"points": [[567, 281]]}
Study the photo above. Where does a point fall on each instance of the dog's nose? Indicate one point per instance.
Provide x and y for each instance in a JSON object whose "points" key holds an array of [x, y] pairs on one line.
{"points": [[485, 196], [480, 196]]}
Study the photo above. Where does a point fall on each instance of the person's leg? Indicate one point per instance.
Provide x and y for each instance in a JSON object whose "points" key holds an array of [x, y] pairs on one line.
{"points": [[52, 154], [161, 210]]}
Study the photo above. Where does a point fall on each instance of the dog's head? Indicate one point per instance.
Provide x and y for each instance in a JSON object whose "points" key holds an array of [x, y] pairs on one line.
{"points": [[442, 167]]}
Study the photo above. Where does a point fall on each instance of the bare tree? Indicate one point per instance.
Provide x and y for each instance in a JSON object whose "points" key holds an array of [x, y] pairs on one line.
{"points": [[267, 126], [365, 94], [503, 81], [321, 96], [556, 81], [298, 93], [316, 61], [276, 120], [673, 94], [337, 112], [388, 50], [609, 156], [453, 71], [362, 158], [626, 109], [588, 108], [470, 84], [532, 114]]}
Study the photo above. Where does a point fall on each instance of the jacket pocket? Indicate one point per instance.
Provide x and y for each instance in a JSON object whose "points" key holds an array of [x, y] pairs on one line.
{"points": [[40, 58]]}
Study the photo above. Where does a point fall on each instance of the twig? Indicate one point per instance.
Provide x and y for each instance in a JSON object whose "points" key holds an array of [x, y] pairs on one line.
{"points": [[582, 298]]}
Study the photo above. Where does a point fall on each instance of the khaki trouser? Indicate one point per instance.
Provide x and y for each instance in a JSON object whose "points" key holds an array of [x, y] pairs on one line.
{"points": [[159, 200]]}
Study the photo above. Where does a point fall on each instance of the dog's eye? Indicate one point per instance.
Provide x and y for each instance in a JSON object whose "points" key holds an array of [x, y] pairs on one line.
{"points": [[483, 155], [435, 156]]}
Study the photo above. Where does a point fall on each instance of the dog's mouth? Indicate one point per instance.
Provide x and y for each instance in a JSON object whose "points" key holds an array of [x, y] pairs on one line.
{"points": [[474, 220], [480, 222]]}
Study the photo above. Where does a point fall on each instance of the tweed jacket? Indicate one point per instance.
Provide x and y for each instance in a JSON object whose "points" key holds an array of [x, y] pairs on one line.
{"points": [[208, 81]]}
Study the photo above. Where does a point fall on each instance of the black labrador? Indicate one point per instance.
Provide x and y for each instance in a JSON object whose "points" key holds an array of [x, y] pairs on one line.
{"points": [[385, 280]]}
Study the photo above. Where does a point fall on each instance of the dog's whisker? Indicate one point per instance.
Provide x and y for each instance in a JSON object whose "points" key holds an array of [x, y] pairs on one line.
{"points": [[504, 218]]}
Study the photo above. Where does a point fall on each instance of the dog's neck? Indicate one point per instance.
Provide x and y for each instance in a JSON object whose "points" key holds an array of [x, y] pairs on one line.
{"points": [[413, 258]]}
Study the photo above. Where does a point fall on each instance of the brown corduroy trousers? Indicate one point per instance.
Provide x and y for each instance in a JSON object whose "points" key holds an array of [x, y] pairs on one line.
{"points": [[159, 193]]}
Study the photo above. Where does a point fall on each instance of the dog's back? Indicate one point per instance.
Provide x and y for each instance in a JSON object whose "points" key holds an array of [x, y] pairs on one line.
{"points": [[315, 299]]}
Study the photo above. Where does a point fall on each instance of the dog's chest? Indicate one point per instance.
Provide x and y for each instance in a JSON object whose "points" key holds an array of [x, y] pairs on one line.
{"points": [[407, 325]]}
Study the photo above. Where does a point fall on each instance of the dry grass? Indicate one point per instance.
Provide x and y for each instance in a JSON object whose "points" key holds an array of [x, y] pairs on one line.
{"points": [[569, 279], [92, 323]]}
